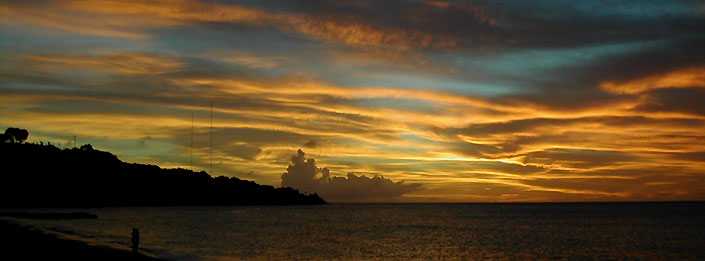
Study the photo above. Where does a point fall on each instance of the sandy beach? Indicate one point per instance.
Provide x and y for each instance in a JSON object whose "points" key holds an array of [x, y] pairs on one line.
{"points": [[32, 244]]}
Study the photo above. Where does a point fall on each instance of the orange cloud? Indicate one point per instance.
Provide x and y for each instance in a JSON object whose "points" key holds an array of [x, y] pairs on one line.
{"points": [[682, 78], [56, 16]]}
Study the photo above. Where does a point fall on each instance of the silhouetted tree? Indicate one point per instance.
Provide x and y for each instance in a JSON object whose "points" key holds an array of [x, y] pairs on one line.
{"points": [[18, 135], [4, 138]]}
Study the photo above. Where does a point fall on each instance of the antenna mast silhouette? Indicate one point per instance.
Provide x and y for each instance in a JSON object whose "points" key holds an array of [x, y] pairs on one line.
{"points": [[192, 141], [211, 151]]}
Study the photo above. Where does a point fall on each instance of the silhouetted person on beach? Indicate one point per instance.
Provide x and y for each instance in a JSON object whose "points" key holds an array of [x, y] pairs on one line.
{"points": [[135, 239]]}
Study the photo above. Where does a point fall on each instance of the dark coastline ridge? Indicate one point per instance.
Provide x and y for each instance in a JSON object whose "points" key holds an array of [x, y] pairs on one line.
{"points": [[44, 176]]}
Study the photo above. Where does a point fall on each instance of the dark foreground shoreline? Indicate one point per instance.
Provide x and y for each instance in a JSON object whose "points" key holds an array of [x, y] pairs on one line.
{"points": [[28, 243]]}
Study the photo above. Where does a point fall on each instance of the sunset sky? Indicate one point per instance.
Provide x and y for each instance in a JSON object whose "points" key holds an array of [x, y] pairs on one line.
{"points": [[483, 101]]}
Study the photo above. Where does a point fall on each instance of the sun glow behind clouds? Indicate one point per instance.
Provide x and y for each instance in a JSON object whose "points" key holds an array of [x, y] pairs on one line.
{"points": [[474, 101]]}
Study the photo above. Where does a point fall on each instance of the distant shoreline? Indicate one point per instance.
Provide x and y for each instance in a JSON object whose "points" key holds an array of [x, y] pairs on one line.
{"points": [[536, 202], [52, 215], [32, 243]]}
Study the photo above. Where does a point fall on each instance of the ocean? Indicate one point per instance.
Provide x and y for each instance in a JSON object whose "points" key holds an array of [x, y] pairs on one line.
{"points": [[652, 231]]}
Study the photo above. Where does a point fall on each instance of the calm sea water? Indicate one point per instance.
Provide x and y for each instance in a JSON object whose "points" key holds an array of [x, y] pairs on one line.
{"points": [[407, 231]]}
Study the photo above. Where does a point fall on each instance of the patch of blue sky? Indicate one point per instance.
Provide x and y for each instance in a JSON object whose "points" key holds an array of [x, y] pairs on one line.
{"points": [[230, 37], [59, 139], [526, 63], [254, 70], [92, 107], [28, 38], [269, 5], [419, 82], [638, 9], [302, 57], [149, 148], [38, 87], [622, 9], [289, 51], [84, 74]]}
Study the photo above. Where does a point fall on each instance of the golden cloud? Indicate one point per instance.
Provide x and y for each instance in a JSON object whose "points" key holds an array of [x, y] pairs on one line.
{"points": [[683, 78]]}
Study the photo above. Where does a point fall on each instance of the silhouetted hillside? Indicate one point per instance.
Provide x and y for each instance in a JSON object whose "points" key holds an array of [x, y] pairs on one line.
{"points": [[45, 176]]}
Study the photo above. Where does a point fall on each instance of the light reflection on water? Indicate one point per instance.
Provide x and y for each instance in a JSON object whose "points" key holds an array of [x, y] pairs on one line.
{"points": [[407, 231]]}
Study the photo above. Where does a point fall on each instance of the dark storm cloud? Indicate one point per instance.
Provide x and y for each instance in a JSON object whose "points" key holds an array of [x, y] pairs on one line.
{"points": [[656, 58], [573, 24], [414, 23], [670, 54], [684, 100], [303, 174], [492, 24], [444, 25], [577, 87]]}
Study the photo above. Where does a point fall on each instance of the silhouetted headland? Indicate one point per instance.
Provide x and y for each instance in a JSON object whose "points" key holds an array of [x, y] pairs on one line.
{"points": [[37, 175]]}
